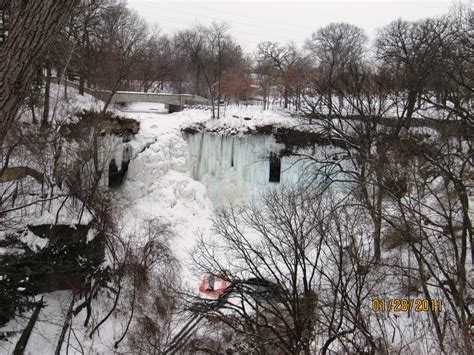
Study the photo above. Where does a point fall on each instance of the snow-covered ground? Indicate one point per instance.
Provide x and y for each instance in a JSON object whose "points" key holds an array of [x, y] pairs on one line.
{"points": [[237, 119], [162, 184]]}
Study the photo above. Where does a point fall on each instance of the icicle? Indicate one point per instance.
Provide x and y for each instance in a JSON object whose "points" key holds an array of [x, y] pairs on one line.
{"points": [[235, 168]]}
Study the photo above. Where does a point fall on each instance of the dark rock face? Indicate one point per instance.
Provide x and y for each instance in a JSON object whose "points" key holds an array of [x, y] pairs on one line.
{"points": [[63, 264], [105, 122], [292, 138]]}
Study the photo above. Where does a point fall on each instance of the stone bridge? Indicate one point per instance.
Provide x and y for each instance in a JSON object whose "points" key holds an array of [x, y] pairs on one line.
{"points": [[173, 102]]}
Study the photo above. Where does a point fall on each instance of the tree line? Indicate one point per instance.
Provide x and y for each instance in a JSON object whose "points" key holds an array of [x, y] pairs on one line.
{"points": [[105, 45]]}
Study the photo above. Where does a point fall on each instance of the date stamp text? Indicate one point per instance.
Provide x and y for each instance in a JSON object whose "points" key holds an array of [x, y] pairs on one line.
{"points": [[406, 305]]}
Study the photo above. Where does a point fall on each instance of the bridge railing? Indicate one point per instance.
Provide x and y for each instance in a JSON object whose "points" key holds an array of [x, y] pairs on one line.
{"points": [[134, 96]]}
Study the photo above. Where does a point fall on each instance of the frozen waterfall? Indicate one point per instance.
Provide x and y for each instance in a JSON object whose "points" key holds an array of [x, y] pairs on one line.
{"points": [[235, 168]]}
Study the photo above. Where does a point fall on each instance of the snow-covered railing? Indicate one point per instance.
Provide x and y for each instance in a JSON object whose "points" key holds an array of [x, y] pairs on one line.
{"points": [[177, 100]]}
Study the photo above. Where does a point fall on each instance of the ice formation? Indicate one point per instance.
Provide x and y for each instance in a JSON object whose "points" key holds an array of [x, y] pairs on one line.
{"points": [[236, 168]]}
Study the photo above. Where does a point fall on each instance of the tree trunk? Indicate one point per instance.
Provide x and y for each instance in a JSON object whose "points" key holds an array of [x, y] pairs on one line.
{"points": [[219, 90], [411, 103], [65, 88], [330, 110], [81, 85], [33, 114], [32, 33], [66, 324], [22, 342], [44, 121], [213, 106], [426, 293], [377, 217]]}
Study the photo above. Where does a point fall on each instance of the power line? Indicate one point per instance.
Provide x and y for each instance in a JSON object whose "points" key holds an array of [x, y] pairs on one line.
{"points": [[286, 24], [214, 18], [254, 34]]}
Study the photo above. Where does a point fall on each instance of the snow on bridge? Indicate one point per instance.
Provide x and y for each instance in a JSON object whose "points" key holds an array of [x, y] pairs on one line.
{"points": [[173, 102]]}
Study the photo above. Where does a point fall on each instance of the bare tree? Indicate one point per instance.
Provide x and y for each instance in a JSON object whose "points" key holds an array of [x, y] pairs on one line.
{"points": [[411, 50], [140, 281], [266, 78], [82, 31], [220, 42], [236, 81], [123, 40], [157, 65], [282, 58], [298, 271], [336, 47], [193, 44], [32, 31], [450, 84], [427, 206]]}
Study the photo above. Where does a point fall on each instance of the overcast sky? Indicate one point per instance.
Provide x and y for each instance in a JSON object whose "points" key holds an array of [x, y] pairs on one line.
{"points": [[252, 22]]}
